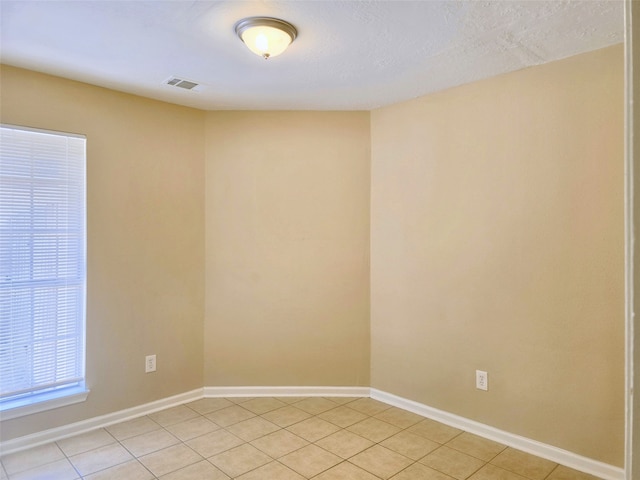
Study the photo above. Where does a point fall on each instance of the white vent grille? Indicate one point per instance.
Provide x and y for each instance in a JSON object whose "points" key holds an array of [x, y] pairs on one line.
{"points": [[181, 83]]}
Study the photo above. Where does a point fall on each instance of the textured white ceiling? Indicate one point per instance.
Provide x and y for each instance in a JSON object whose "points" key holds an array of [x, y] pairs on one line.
{"points": [[349, 55]]}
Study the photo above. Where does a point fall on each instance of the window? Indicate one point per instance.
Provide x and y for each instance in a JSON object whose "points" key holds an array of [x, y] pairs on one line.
{"points": [[42, 269]]}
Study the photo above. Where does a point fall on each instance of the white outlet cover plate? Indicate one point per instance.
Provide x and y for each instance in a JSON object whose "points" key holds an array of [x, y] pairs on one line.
{"points": [[150, 364], [482, 380]]}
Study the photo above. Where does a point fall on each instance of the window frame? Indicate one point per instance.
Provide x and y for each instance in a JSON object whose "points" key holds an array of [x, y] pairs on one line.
{"points": [[73, 390]]}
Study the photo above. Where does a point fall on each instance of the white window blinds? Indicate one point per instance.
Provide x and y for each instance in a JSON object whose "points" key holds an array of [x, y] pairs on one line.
{"points": [[42, 262]]}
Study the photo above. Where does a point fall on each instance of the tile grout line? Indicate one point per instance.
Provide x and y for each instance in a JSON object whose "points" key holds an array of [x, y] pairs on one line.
{"points": [[137, 460], [552, 470], [67, 457], [181, 442]]}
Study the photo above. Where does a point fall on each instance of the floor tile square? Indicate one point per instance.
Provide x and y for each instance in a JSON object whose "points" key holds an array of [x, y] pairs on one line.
{"points": [[524, 464], [310, 460], [230, 415], [455, 464], [58, 470], [286, 416], [315, 405], [410, 445], [85, 442], [476, 446], [132, 428], [240, 400], [290, 400], [198, 471], [170, 459], [369, 406], [100, 458], [398, 417], [192, 428], [253, 428], [342, 416], [32, 458], [208, 405], [381, 461], [313, 429], [346, 471], [436, 431], [344, 444], [271, 471], [374, 429], [491, 472], [240, 460], [213, 443], [565, 473], [279, 443], [149, 442], [263, 405], [173, 415], [417, 471], [132, 470], [342, 400]]}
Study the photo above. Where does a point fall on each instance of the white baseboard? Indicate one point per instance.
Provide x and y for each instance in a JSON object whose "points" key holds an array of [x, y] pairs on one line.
{"points": [[558, 455], [77, 428], [286, 391], [564, 457]]}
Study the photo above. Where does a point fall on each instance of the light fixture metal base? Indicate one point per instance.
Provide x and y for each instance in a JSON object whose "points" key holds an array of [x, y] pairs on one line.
{"points": [[249, 22]]}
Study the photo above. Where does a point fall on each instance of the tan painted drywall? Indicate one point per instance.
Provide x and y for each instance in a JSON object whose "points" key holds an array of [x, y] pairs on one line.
{"points": [[497, 244], [287, 246], [145, 228]]}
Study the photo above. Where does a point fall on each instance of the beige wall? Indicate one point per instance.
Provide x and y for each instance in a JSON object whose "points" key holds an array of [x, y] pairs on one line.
{"points": [[145, 201], [497, 244], [287, 246]]}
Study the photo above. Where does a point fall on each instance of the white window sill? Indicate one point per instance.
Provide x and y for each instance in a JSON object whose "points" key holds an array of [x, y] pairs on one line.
{"points": [[42, 402]]}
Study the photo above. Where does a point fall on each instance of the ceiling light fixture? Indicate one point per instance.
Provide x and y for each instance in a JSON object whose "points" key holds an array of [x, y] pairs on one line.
{"points": [[266, 36]]}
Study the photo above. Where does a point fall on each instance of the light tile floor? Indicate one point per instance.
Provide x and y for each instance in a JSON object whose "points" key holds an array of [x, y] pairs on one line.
{"points": [[284, 439]]}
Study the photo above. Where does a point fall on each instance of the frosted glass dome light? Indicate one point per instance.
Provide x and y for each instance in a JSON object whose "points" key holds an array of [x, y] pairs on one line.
{"points": [[265, 36]]}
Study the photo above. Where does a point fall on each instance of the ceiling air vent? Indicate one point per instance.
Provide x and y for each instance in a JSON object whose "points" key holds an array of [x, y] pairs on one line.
{"points": [[181, 83]]}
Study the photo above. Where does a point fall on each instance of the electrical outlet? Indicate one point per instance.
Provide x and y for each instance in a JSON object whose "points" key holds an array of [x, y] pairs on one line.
{"points": [[150, 364], [482, 380]]}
